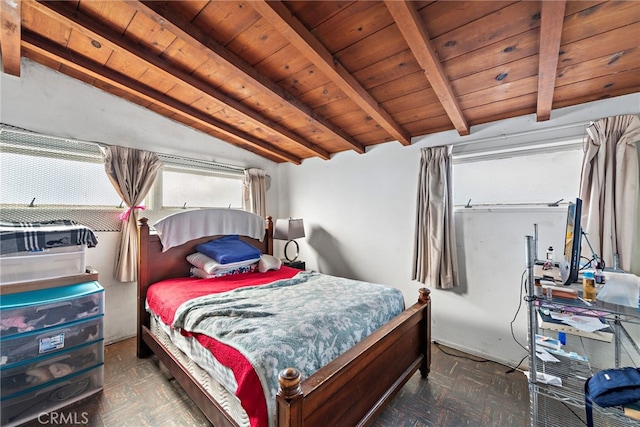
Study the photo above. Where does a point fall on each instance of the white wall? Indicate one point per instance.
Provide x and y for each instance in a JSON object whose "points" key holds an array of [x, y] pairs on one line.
{"points": [[51, 103], [45, 101], [120, 298], [359, 213]]}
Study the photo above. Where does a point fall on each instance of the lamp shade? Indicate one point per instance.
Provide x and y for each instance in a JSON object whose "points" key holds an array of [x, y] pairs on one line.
{"points": [[288, 229]]}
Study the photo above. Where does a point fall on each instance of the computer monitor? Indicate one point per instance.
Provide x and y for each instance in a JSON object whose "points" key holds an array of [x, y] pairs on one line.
{"points": [[572, 243]]}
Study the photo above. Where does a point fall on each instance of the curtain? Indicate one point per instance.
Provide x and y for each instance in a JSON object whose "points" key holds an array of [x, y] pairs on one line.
{"points": [[435, 262], [254, 192], [610, 190], [132, 173]]}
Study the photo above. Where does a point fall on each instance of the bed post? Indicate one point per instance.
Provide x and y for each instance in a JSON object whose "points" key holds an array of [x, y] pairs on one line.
{"points": [[269, 235], [289, 399], [142, 349], [425, 298]]}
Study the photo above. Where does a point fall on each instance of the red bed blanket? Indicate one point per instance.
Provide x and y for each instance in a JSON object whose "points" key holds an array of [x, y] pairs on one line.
{"points": [[164, 298]]}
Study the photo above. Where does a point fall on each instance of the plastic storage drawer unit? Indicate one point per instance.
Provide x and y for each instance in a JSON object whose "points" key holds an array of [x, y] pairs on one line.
{"points": [[26, 346], [36, 372], [35, 310], [42, 401], [46, 264]]}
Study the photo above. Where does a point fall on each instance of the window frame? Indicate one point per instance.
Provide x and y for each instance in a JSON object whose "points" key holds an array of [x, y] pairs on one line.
{"points": [[98, 217], [155, 200], [491, 150]]}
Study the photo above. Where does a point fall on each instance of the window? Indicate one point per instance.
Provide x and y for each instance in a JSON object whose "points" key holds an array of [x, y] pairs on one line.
{"points": [[189, 183], [36, 172], [46, 178], [184, 189], [532, 176]]}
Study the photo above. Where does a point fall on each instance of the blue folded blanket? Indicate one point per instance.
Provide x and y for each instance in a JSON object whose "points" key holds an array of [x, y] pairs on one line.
{"points": [[229, 249]]}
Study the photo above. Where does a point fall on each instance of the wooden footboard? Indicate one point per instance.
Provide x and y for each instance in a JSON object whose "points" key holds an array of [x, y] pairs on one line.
{"points": [[353, 389]]}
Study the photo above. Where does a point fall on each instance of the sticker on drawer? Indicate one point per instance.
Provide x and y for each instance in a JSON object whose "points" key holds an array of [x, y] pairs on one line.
{"points": [[55, 342]]}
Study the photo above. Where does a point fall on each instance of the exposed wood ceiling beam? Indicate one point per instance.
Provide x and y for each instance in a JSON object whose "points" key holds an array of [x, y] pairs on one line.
{"points": [[32, 43], [413, 31], [299, 36], [552, 18], [162, 14], [88, 27], [10, 20]]}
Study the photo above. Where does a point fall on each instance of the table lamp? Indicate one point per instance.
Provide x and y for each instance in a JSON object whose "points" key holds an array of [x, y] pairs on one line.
{"points": [[289, 229]]}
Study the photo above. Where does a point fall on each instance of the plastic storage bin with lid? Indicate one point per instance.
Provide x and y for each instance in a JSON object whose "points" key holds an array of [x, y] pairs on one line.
{"points": [[41, 265]]}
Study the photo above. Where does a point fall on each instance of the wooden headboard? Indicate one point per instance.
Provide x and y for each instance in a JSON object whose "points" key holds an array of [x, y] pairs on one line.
{"points": [[155, 265]]}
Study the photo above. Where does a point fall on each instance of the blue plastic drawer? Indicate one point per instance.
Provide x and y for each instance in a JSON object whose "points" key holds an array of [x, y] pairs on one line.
{"points": [[45, 342], [36, 372], [50, 397], [34, 310]]}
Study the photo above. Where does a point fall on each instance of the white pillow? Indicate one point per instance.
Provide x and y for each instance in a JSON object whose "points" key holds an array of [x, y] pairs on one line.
{"points": [[211, 266], [268, 262]]}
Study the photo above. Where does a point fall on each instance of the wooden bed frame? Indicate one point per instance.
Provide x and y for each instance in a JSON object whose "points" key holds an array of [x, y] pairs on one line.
{"points": [[351, 390]]}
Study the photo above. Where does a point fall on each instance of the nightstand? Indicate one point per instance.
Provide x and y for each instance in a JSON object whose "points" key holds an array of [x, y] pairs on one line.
{"points": [[295, 264]]}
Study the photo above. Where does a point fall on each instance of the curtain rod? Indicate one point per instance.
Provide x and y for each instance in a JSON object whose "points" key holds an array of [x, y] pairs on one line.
{"points": [[22, 131], [523, 133]]}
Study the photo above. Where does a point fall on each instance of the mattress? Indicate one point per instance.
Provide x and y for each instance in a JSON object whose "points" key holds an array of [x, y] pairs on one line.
{"points": [[161, 303], [187, 350]]}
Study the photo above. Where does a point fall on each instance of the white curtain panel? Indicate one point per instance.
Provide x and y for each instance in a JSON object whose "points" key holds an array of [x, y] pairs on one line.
{"points": [[610, 190], [254, 191], [132, 173], [435, 262]]}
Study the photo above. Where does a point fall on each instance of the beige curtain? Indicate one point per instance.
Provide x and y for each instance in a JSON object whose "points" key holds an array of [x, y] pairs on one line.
{"points": [[132, 173], [254, 191], [610, 190], [435, 262]]}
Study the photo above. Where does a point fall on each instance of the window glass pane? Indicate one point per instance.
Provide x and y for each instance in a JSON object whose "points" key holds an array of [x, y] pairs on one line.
{"points": [[200, 190], [534, 178], [54, 181]]}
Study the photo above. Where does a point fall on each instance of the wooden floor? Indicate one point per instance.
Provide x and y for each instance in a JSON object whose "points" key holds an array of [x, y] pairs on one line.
{"points": [[459, 392]]}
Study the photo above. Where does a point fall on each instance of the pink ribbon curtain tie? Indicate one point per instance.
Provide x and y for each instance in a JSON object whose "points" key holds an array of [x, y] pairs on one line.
{"points": [[124, 216]]}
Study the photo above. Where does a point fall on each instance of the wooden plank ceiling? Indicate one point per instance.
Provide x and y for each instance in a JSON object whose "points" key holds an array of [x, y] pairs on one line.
{"points": [[298, 79]]}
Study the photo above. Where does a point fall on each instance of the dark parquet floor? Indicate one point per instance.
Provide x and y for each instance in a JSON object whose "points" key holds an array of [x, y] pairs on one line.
{"points": [[460, 391]]}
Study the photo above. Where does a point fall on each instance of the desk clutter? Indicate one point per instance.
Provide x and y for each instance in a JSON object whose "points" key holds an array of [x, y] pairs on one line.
{"points": [[611, 287], [620, 288], [564, 309], [583, 325], [569, 320], [573, 343]]}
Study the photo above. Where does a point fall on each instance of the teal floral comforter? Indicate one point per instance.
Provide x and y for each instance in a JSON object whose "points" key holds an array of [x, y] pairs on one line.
{"points": [[303, 322]]}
